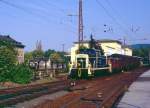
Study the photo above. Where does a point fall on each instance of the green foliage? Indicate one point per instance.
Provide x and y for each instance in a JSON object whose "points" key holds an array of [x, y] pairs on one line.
{"points": [[7, 44], [94, 44], [56, 57], [21, 74], [142, 52], [7, 57], [49, 52], [8, 60], [82, 47], [37, 53], [9, 70], [27, 57], [62, 55]]}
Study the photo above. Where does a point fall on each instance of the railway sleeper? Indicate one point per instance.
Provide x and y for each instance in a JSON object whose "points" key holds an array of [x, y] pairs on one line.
{"points": [[29, 96], [92, 99], [109, 100], [77, 89]]}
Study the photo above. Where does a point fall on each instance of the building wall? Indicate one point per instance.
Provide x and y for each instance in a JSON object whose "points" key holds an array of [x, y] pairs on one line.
{"points": [[111, 48], [108, 47], [74, 49], [20, 55], [128, 51]]}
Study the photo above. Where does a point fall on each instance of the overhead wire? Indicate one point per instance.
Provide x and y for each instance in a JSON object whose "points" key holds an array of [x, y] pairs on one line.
{"points": [[60, 10], [50, 14], [116, 12], [43, 17], [120, 17], [111, 16], [23, 9], [134, 33]]}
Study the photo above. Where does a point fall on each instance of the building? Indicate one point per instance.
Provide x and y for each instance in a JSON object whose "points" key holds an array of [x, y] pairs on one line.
{"points": [[40, 63], [19, 47], [109, 47], [46, 67], [127, 50]]}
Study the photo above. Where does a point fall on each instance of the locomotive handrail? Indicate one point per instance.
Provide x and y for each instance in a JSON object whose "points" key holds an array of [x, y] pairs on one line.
{"points": [[97, 57], [100, 68], [80, 68], [95, 68]]}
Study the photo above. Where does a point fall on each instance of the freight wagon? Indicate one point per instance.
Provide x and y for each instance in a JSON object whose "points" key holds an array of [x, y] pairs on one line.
{"points": [[121, 63]]}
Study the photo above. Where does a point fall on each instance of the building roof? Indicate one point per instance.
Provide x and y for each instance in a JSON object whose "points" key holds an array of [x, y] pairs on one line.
{"points": [[38, 59], [109, 40], [102, 41], [126, 46], [11, 40]]}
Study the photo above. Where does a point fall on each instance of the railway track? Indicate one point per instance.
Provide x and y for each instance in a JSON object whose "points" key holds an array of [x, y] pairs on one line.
{"points": [[97, 93], [13, 96]]}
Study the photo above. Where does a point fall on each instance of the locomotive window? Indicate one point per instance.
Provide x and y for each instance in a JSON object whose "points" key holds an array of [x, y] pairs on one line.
{"points": [[81, 62]]}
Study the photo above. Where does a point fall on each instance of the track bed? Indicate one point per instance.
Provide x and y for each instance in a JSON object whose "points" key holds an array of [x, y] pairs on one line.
{"points": [[96, 93]]}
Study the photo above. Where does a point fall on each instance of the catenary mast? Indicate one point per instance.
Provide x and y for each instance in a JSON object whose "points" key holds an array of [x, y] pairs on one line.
{"points": [[80, 25]]}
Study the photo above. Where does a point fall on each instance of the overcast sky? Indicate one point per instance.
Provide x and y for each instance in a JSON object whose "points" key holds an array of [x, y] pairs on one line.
{"points": [[48, 20]]}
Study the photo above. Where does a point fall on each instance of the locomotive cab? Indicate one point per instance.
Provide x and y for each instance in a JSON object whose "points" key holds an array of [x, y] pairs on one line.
{"points": [[82, 60], [80, 69]]}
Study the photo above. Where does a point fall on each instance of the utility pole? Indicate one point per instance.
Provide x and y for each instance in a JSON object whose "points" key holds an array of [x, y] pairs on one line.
{"points": [[63, 47], [149, 56], [124, 43], [80, 25]]}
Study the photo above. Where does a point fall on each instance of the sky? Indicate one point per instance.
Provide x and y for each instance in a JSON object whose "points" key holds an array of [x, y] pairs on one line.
{"points": [[49, 21]]}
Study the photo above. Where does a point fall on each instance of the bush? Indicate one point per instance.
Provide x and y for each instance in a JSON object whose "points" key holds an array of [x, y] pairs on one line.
{"points": [[9, 70], [7, 61], [21, 74]]}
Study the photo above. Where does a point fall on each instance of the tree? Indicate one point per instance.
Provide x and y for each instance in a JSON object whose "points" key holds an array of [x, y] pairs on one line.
{"points": [[100, 48], [27, 57], [7, 44], [82, 47], [94, 44], [141, 52], [56, 57], [9, 69], [37, 53], [49, 52], [8, 59], [63, 57]]}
